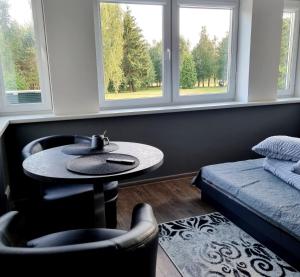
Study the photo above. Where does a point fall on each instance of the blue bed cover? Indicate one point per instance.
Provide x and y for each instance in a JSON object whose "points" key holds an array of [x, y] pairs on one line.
{"points": [[266, 195]]}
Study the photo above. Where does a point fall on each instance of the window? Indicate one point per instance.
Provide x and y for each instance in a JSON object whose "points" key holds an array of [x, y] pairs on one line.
{"points": [[23, 72], [139, 63], [205, 47], [132, 64], [288, 52]]}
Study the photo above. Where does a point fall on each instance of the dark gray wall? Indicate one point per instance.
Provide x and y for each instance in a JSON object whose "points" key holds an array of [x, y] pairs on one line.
{"points": [[189, 140]]}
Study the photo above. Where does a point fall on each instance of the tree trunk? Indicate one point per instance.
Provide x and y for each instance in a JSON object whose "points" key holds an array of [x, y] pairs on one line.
{"points": [[208, 82], [131, 88], [215, 80]]}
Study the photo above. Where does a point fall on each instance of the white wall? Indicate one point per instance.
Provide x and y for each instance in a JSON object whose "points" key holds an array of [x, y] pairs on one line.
{"points": [[72, 55], [259, 49], [244, 50], [265, 49]]}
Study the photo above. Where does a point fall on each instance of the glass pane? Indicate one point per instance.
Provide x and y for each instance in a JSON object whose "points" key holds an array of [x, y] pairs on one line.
{"points": [[286, 50], [204, 50], [18, 52], [132, 50]]}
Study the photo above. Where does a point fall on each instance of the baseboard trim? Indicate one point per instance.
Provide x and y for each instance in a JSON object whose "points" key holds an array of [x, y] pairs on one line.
{"points": [[158, 179]]}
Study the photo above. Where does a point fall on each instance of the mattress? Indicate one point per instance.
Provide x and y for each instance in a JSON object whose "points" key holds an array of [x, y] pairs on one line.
{"points": [[260, 191]]}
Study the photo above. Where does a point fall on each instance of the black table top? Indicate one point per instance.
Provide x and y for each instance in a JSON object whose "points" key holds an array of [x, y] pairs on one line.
{"points": [[50, 165]]}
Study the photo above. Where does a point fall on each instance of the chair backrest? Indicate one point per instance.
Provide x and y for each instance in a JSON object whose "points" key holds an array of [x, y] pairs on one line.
{"points": [[132, 253], [41, 197], [50, 142]]}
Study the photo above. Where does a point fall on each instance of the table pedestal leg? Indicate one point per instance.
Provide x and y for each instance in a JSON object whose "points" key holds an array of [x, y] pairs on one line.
{"points": [[99, 205]]}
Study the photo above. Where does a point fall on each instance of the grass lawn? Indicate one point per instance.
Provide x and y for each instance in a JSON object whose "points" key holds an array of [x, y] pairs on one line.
{"points": [[146, 93], [157, 92]]}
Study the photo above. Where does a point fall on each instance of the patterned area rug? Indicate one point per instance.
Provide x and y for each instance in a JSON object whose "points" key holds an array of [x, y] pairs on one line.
{"points": [[211, 245]]}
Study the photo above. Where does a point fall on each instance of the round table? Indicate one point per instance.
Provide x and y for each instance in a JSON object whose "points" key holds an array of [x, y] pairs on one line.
{"points": [[50, 166]]}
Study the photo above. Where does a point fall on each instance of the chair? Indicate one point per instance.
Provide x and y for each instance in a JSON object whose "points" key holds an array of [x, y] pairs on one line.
{"points": [[65, 200], [99, 252]]}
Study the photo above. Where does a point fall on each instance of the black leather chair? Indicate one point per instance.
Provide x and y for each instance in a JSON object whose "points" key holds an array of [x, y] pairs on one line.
{"points": [[74, 203], [95, 252]]}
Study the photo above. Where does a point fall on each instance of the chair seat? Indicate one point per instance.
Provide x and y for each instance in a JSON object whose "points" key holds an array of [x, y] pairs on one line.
{"points": [[104, 251], [71, 237]]}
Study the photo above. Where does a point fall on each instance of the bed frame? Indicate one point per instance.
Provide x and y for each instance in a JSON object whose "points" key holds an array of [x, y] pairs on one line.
{"points": [[277, 240]]}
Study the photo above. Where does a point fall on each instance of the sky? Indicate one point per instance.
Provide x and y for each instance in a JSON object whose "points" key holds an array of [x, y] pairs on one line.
{"points": [[20, 10], [216, 21], [149, 19]]}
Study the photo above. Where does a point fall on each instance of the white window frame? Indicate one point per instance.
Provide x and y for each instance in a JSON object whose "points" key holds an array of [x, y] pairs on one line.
{"points": [[166, 64], [293, 7], [206, 4], [171, 54], [42, 64]]}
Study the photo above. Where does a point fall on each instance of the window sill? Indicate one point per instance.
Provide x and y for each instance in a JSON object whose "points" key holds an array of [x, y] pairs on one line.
{"points": [[4, 122], [18, 119]]}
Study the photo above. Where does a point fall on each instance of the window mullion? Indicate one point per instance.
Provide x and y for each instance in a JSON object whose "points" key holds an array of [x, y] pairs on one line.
{"points": [[167, 51], [294, 53], [3, 101], [42, 56], [175, 50], [290, 82], [99, 52]]}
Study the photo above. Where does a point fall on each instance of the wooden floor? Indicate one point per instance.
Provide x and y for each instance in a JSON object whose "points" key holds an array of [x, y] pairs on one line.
{"points": [[170, 200]]}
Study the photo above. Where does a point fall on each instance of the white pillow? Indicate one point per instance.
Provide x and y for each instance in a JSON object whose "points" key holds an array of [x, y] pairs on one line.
{"points": [[279, 147]]}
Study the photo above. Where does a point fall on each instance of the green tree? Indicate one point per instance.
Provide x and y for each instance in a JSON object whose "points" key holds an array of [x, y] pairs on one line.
{"points": [[149, 78], [188, 75], [215, 62], [24, 55], [156, 57], [136, 59], [222, 59], [184, 50], [284, 53], [185, 64], [203, 54], [112, 43]]}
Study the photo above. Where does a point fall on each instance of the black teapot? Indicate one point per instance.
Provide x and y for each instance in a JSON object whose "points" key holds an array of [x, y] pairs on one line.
{"points": [[99, 141]]}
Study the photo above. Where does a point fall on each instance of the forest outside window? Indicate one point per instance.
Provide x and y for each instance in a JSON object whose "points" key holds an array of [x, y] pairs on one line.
{"points": [[135, 51], [288, 51], [23, 72]]}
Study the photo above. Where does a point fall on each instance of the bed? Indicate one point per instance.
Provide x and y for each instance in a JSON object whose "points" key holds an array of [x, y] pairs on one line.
{"points": [[257, 201]]}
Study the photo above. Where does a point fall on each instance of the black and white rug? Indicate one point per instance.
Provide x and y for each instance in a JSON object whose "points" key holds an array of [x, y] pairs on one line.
{"points": [[212, 246]]}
